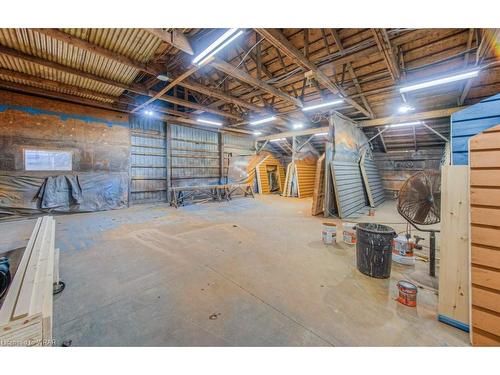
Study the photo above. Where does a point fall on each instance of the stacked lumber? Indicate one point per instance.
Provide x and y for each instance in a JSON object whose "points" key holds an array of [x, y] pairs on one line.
{"points": [[26, 312], [453, 306], [319, 187], [269, 161], [484, 177]]}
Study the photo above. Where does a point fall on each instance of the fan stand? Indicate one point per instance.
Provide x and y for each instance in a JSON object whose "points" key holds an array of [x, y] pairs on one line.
{"points": [[432, 248]]}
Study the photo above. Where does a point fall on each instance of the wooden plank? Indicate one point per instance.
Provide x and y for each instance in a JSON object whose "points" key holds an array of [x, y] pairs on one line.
{"points": [[486, 321], [481, 338], [485, 277], [485, 159], [484, 177], [488, 140], [486, 298], [319, 187], [454, 289], [174, 38], [485, 256], [10, 300], [485, 236], [484, 196], [24, 300]]}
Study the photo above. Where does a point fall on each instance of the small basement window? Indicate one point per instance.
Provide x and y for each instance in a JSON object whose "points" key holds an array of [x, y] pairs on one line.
{"points": [[48, 160]]}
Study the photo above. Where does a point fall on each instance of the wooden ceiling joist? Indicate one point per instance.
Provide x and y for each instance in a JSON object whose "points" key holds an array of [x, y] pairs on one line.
{"points": [[153, 69], [169, 86], [385, 48], [276, 38], [174, 38], [427, 115], [252, 81], [216, 93]]}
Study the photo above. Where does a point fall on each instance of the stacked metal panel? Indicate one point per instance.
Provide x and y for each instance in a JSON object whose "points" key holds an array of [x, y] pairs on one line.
{"points": [[148, 160], [195, 156], [372, 180], [349, 190]]}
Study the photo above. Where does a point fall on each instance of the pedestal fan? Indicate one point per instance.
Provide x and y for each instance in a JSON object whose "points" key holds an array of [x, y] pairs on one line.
{"points": [[419, 202]]}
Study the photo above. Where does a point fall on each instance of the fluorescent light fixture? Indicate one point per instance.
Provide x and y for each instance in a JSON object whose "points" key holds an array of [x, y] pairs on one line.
{"points": [[439, 81], [163, 77], [216, 46], [322, 105], [147, 112], [404, 124], [209, 122], [298, 126], [405, 108], [257, 133], [320, 134], [277, 140], [263, 121]]}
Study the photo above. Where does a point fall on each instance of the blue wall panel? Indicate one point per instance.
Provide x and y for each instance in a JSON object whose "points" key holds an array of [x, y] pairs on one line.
{"points": [[469, 122]]}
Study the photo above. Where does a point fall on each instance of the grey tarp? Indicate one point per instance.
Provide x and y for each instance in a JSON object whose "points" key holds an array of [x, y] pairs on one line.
{"points": [[21, 193]]}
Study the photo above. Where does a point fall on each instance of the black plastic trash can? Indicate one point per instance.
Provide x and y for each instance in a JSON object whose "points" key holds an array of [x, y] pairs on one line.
{"points": [[374, 249]]}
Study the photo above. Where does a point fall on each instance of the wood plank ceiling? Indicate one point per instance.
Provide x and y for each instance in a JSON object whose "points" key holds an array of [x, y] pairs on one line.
{"points": [[265, 71]]}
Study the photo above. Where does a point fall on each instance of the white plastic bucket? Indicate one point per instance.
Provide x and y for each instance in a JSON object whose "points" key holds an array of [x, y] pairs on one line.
{"points": [[329, 233], [402, 251], [349, 233]]}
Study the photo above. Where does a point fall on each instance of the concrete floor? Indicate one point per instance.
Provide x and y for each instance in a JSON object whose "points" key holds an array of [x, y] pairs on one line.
{"points": [[250, 272]]}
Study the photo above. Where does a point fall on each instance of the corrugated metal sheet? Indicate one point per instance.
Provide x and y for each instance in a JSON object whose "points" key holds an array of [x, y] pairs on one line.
{"points": [[148, 162], [238, 144], [349, 190], [194, 156], [372, 180], [136, 44], [49, 88]]}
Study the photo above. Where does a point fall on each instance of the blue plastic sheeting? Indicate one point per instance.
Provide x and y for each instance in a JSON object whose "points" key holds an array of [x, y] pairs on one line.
{"points": [[469, 122]]}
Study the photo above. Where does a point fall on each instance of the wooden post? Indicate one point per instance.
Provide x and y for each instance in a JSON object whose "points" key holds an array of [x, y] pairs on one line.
{"points": [[169, 161]]}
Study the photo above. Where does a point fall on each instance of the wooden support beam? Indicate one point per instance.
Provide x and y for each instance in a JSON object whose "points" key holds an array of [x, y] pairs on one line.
{"points": [[188, 104], [174, 38], [276, 38], [216, 93], [169, 86], [293, 133], [350, 69], [252, 81], [385, 48], [438, 113], [152, 69], [488, 42]]}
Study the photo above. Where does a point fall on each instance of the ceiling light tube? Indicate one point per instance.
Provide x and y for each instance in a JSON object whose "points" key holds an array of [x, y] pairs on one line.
{"points": [[221, 47], [277, 140], [298, 126], [439, 81], [263, 121], [257, 133], [212, 48], [322, 105], [320, 134], [209, 122], [404, 124]]}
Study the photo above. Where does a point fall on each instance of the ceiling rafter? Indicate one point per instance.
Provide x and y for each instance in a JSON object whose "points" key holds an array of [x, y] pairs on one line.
{"points": [[384, 46], [252, 81], [174, 38], [354, 78], [277, 38]]}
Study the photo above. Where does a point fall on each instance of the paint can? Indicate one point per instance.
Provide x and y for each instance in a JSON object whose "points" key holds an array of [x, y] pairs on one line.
{"points": [[349, 233], [329, 233], [407, 293], [371, 212]]}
